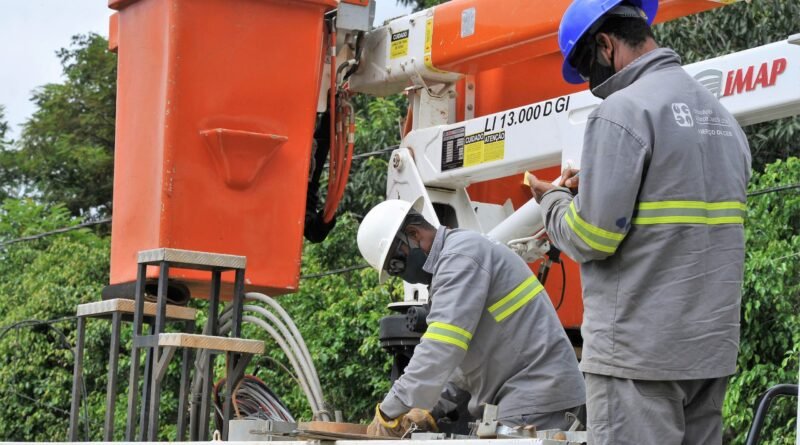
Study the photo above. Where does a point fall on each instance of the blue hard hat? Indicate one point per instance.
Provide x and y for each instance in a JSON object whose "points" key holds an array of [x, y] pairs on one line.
{"points": [[579, 18]]}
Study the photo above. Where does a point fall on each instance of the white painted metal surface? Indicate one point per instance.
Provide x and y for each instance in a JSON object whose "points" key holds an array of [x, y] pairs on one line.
{"points": [[398, 55]]}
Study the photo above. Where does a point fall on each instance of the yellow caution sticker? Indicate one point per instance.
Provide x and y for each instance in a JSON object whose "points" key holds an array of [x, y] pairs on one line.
{"points": [[473, 149], [484, 147], [399, 45], [494, 146]]}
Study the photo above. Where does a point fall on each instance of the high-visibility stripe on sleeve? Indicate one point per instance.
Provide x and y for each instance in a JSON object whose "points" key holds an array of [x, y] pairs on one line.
{"points": [[521, 295], [690, 212], [597, 238], [448, 333]]}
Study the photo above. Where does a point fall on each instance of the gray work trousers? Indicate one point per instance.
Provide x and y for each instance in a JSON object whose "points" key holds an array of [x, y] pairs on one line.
{"points": [[676, 412], [557, 420]]}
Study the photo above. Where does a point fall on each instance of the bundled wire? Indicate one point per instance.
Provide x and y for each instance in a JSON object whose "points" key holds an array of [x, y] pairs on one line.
{"points": [[252, 399], [342, 131], [276, 322]]}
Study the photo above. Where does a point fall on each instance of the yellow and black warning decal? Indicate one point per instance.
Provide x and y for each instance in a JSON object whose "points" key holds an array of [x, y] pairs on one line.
{"points": [[399, 45], [494, 146], [484, 147], [473, 149]]}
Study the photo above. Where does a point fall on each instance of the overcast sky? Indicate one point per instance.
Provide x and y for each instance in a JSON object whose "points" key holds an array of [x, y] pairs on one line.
{"points": [[31, 31]]}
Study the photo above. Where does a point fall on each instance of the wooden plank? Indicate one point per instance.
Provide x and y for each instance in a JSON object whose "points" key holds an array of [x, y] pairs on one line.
{"points": [[333, 427], [317, 430], [127, 306], [226, 344]]}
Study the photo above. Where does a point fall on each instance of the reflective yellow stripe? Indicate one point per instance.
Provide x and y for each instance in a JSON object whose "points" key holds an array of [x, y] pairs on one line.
{"points": [[594, 229], [453, 328], [692, 205], [445, 339], [517, 298], [528, 297], [595, 237], [513, 293], [448, 333], [690, 212], [689, 220]]}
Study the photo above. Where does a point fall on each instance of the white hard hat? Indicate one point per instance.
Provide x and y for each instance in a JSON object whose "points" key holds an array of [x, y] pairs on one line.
{"points": [[378, 230]]}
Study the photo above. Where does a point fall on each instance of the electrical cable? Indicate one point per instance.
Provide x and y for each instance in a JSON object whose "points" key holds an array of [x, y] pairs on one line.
{"points": [[293, 328], [55, 232], [563, 284], [304, 372], [778, 188], [333, 272]]}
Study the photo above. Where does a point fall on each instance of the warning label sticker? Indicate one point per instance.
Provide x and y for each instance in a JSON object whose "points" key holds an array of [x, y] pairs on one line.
{"points": [[473, 149], [453, 148], [399, 45], [494, 146], [484, 147]]}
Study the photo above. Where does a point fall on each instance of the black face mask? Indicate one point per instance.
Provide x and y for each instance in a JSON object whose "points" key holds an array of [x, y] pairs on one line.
{"points": [[414, 273], [600, 72]]}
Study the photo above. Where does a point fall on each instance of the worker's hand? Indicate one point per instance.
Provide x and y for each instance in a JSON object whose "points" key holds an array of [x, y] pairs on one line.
{"points": [[419, 420], [569, 179], [538, 187], [383, 427]]}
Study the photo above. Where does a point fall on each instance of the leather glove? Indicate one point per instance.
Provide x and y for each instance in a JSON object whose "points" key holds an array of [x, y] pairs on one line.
{"points": [[420, 420], [382, 427], [414, 420]]}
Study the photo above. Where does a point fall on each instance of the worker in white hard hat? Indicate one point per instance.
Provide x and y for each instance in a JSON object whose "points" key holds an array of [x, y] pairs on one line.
{"points": [[657, 225], [490, 319]]}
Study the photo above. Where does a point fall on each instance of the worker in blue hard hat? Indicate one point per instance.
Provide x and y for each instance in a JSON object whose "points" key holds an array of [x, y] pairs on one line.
{"points": [[656, 221]]}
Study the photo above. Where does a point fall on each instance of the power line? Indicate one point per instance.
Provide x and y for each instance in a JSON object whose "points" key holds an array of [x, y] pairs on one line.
{"points": [[56, 232], [376, 152], [778, 188], [333, 272]]}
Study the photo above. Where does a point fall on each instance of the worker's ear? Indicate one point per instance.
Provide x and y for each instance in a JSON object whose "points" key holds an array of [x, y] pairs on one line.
{"points": [[605, 48]]}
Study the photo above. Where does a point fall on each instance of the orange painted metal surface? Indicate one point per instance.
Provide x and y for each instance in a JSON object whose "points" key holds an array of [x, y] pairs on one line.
{"points": [[511, 31], [216, 105], [113, 32], [515, 59]]}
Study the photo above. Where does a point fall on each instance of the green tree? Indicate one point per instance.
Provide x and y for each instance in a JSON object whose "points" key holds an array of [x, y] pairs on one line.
{"points": [[420, 4], [3, 127], [770, 345], [65, 152], [46, 279]]}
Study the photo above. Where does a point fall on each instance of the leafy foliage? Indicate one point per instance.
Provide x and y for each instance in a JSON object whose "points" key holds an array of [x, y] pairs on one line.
{"points": [[64, 160], [65, 153], [338, 316], [736, 28], [770, 349], [45, 279], [420, 4]]}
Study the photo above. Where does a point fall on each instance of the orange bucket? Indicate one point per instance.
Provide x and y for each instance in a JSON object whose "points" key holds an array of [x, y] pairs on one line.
{"points": [[216, 105]]}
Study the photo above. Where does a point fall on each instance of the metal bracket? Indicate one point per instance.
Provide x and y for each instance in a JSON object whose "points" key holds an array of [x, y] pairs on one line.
{"points": [[469, 97], [487, 429]]}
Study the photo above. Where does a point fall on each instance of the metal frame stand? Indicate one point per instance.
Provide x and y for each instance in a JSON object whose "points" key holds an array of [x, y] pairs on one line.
{"points": [[161, 347], [117, 310]]}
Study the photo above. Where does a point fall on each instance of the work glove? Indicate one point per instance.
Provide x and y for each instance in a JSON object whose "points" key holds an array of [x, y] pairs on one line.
{"points": [[382, 427], [419, 420], [416, 420]]}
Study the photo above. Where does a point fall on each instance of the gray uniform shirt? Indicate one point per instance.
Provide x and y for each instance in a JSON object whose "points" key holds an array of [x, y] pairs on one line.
{"points": [[491, 318], [657, 226]]}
